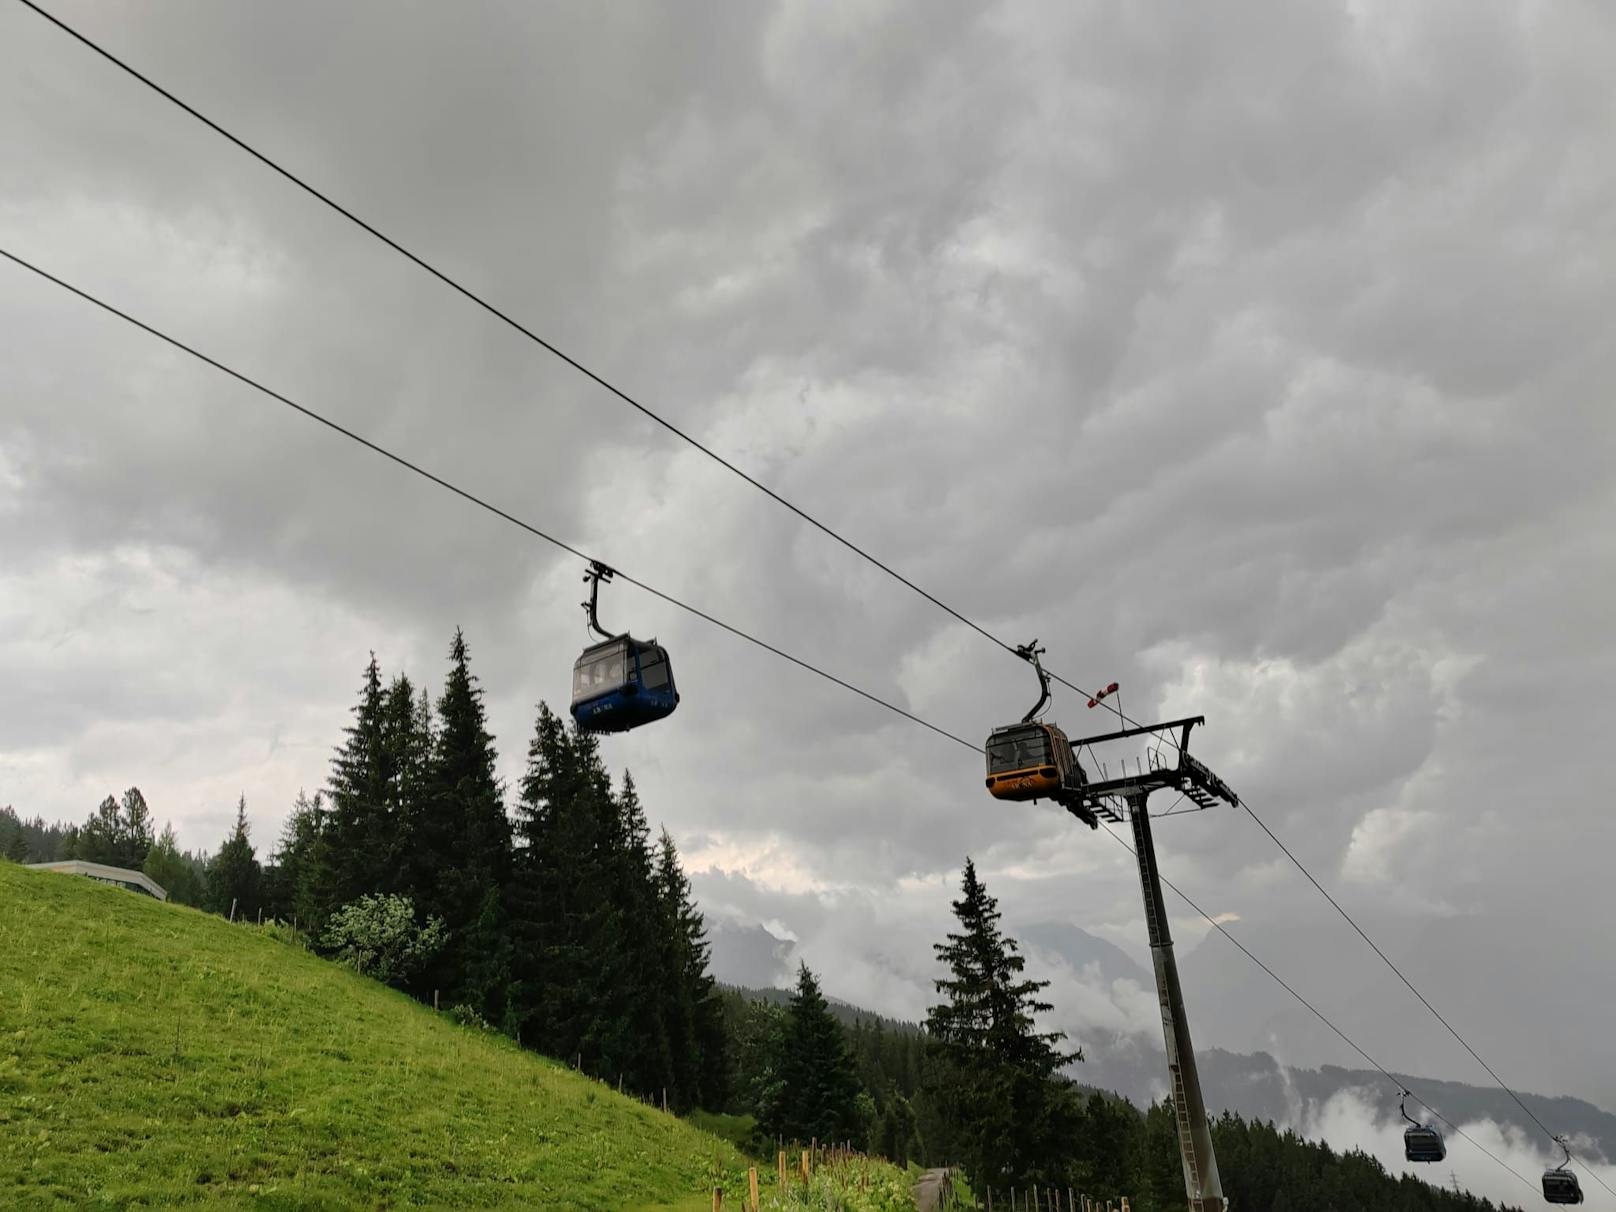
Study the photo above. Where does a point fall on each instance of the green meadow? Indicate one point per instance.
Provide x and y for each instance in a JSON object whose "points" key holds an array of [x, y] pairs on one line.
{"points": [[155, 1056]]}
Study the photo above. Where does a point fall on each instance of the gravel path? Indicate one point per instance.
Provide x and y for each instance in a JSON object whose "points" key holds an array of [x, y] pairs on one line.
{"points": [[929, 1190]]}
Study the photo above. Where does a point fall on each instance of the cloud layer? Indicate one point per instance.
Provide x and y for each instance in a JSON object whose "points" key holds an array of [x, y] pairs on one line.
{"points": [[1258, 360]]}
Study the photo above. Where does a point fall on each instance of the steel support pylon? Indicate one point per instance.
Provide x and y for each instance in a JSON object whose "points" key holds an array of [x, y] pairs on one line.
{"points": [[1201, 1181]]}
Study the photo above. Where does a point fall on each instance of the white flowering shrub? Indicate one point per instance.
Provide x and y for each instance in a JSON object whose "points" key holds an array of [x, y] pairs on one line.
{"points": [[377, 936]]}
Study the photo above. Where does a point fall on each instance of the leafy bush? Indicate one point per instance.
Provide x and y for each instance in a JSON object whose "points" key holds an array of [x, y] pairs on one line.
{"points": [[377, 936], [466, 1016], [856, 1185]]}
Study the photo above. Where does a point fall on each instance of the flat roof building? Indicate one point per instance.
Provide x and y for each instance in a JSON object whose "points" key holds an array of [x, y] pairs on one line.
{"points": [[135, 881]]}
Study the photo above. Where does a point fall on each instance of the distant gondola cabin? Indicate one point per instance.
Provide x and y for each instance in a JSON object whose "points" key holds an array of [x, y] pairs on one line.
{"points": [[1423, 1143]]}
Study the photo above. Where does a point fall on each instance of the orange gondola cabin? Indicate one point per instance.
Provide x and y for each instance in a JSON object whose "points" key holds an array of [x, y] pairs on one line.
{"points": [[1029, 761]]}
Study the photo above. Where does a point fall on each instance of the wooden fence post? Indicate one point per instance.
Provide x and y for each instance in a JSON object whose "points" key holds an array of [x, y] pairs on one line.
{"points": [[232, 908], [805, 1165], [751, 1182], [718, 1198], [782, 1169], [434, 999]]}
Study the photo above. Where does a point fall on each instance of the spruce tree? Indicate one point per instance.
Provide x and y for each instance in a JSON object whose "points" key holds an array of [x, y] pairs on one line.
{"points": [[407, 738], [649, 967], [99, 840], [13, 836], [361, 854], [174, 872], [818, 1091], [300, 877], [696, 1021], [460, 848], [15, 846], [233, 877], [134, 837], [1005, 1110], [568, 936]]}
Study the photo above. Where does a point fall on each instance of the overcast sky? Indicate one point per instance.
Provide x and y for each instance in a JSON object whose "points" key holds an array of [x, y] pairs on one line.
{"points": [[1256, 356]]}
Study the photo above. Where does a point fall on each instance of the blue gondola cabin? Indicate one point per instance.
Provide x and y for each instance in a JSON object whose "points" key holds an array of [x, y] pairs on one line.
{"points": [[622, 683]]}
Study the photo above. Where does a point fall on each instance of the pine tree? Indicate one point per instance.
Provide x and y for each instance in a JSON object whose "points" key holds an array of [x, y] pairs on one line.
{"points": [[234, 876], [818, 1092], [100, 837], [361, 855], [407, 738], [695, 1013], [1004, 1107], [569, 940], [13, 842], [13, 837], [174, 872], [460, 848], [134, 836], [299, 876], [649, 968]]}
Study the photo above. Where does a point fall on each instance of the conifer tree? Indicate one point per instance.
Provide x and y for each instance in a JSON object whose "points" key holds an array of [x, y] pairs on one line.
{"points": [[100, 837], [299, 877], [649, 967], [134, 836], [567, 932], [1005, 1110], [407, 738], [361, 854], [818, 1092], [233, 877], [174, 872], [696, 1021], [460, 847]]}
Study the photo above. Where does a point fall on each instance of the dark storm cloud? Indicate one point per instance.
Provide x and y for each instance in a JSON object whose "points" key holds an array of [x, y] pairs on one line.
{"points": [[1256, 358]]}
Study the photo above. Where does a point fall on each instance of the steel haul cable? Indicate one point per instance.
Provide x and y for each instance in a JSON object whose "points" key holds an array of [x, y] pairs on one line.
{"points": [[529, 528]]}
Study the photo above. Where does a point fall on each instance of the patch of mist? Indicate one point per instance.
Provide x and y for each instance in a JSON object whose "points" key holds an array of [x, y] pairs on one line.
{"points": [[1353, 1119]]}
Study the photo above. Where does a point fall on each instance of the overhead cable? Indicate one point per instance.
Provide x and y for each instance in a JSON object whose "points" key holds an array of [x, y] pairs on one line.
{"points": [[529, 528], [480, 502], [1398, 1083], [1424, 1001], [547, 345]]}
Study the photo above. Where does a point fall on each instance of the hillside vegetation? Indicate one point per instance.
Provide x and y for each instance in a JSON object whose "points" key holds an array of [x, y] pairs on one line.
{"points": [[152, 1055]]}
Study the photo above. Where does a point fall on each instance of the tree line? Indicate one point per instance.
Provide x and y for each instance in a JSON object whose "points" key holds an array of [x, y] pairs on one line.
{"points": [[980, 1084], [560, 920]]}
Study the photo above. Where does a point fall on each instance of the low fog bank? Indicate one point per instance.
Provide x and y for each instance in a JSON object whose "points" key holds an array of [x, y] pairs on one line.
{"points": [[1357, 1109]]}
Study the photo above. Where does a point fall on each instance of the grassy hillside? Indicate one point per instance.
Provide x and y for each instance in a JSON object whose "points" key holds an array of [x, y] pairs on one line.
{"points": [[151, 1055]]}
